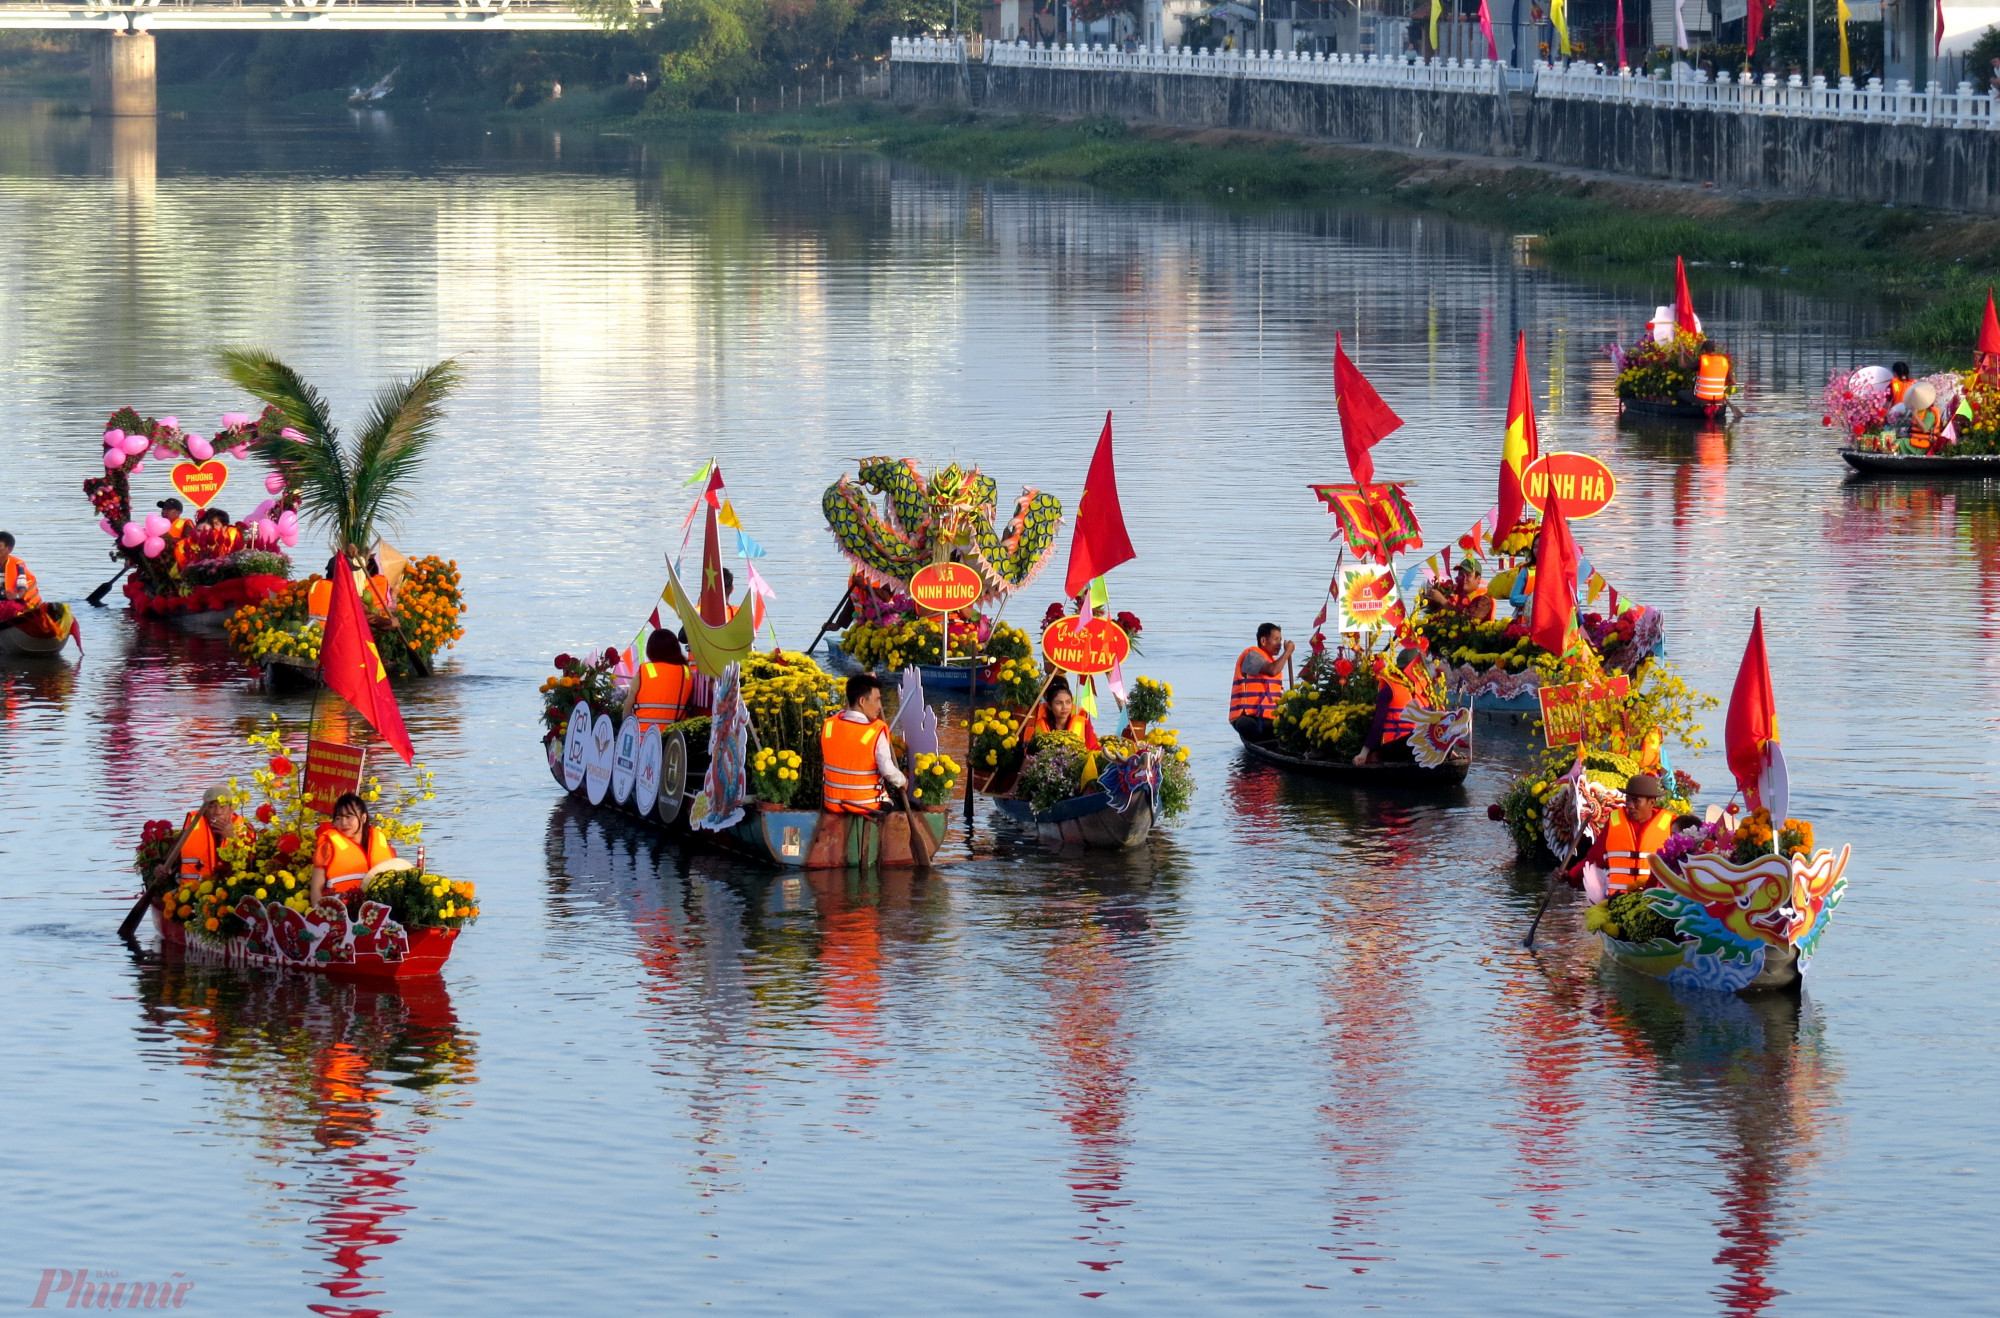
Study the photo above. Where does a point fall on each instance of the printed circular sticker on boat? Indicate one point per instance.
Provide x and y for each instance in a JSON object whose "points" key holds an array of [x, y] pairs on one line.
{"points": [[646, 772], [673, 777], [597, 760], [1582, 484], [1097, 646], [624, 757], [576, 745], [946, 587]]}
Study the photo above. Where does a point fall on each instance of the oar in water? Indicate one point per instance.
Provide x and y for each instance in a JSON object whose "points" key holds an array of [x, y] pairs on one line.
{"points": [[1550, 895], [833, 619], [96, 597], [150, 889]]}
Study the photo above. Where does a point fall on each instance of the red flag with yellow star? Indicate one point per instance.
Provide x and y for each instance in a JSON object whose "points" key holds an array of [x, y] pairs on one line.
{"points": [[352, 668]]}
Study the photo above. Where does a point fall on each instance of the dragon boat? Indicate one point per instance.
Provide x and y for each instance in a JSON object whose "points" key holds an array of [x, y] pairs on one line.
{"points": [[1734, 928], [895, 615]]}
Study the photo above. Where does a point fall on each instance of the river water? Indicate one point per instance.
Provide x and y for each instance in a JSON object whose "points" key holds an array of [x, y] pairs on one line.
{"points": [[1288, 1056]]}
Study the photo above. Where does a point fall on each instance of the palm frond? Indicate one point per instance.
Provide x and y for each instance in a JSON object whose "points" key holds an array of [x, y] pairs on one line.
{"points": [[402, 425], [318, 467]]}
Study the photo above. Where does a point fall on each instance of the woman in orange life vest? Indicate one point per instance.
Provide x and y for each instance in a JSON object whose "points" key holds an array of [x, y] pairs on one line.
{"points": [[1636, 831], [1387, 740], [17, 584], [348, 848], [1926, 417], [663, 686], [1058, 713], [1257, 682], [194, 856], [1899, 382], [855, 755]]}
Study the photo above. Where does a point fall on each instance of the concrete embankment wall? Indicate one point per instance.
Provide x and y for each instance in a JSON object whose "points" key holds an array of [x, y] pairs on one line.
{"points": [[1904, 164]]}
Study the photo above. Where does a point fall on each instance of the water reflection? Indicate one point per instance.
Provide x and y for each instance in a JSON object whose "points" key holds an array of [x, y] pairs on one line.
{"points": [[338, 1085]]}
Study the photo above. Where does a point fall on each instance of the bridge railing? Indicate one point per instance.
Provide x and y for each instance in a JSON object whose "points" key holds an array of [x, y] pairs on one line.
{"points": [[1769, 95]]}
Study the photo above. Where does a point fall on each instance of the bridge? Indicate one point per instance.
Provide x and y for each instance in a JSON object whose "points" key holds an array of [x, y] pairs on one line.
{"points": [[123, 69]]}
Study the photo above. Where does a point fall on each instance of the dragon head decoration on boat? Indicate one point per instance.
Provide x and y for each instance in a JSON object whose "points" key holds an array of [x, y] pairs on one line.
{"points": [[953, 510], [1782, 901]]}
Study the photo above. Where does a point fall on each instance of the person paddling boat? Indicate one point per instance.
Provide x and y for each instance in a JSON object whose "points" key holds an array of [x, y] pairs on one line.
{"points": [[194, 857]]}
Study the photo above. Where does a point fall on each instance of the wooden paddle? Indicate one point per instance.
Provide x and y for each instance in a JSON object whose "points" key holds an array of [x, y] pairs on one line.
{"points": [[832, 619], [150, 889], [1550, 895], [920, 836], [96, 597]]}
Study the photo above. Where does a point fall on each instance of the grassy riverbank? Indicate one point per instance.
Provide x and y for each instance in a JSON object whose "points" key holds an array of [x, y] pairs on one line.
{"points": [[1934, 266]]}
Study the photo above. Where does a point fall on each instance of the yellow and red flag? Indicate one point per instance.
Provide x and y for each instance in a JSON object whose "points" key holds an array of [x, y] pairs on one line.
{"points": [[1521, 447], [352, 668]]}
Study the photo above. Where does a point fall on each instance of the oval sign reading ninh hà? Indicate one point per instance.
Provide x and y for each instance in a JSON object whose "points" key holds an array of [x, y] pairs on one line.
{"points": [[946, 587], [1080, 647], [1583, 484]]}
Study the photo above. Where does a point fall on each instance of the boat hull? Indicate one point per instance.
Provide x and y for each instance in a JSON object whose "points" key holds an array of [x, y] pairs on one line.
{"points": [[283, 677], [789, 839], [1449, 774], [1673, 410], [1774, 969], [1975, 466], [14, 641], [1086, 821], [428, 950]]}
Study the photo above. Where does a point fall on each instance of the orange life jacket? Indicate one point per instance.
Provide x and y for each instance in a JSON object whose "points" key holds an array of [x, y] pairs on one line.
{"points": [[1711, 382], [1255, 697], [19, 578], [350, 863], [847, 759], [1397, 725], [1925, 429], [198, 849], [319, 597], [1079, 723], [664, 690], [1897, 388], [1628, 850]]}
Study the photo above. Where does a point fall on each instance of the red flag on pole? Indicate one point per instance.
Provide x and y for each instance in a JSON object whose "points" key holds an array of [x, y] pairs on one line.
{"points": [[713, 602], [351, 665], [1989, 329], [1756, 21], [1622, 62], [1554, 611], [1521, 447], [1099, 542], [1684, 317], [1753, 714], [1364, 418]]}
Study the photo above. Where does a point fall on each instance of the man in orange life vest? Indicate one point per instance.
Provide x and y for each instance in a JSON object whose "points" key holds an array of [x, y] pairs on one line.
{"points": [[855, 754], [1636, 831], [17, 584], [663, 686], [194, 856], [1388, 737], [1258, 682]]}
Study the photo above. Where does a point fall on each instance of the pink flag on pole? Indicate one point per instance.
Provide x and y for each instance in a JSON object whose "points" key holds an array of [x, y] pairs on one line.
{"points": [[1486, 26]]}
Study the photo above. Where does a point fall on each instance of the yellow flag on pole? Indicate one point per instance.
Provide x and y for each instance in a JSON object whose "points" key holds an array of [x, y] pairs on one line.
{"points": [[1842, 17]]}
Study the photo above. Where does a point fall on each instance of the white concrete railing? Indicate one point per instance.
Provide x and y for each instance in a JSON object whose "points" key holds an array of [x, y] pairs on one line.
{"points": [[927, 50], [1279, 66], [1791, 98]]}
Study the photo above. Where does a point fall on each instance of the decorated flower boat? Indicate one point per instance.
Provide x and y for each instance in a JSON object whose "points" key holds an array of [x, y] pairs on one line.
{"points": [[1322, 720], [193, 576], [901, 615], [1946, 424], [1676, 372], [254, 911], [1110, 798], [744, 772], [414, 610]]}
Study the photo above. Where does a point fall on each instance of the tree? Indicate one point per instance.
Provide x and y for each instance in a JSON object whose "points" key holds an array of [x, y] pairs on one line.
{"points": [[349, 489]]}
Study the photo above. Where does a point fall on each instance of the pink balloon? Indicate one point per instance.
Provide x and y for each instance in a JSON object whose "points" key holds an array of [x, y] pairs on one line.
{"points": [[288, 520], [257, 513], [267, 535], [239, 451], [171, 422], [162, 451], [135, 444], [138, 467], [157, 525], [274, 483], [200, 449], [112, 437], [114, 458], [155, 546], [230, 420], [104, 525], [289, 433], [132, 536]]}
